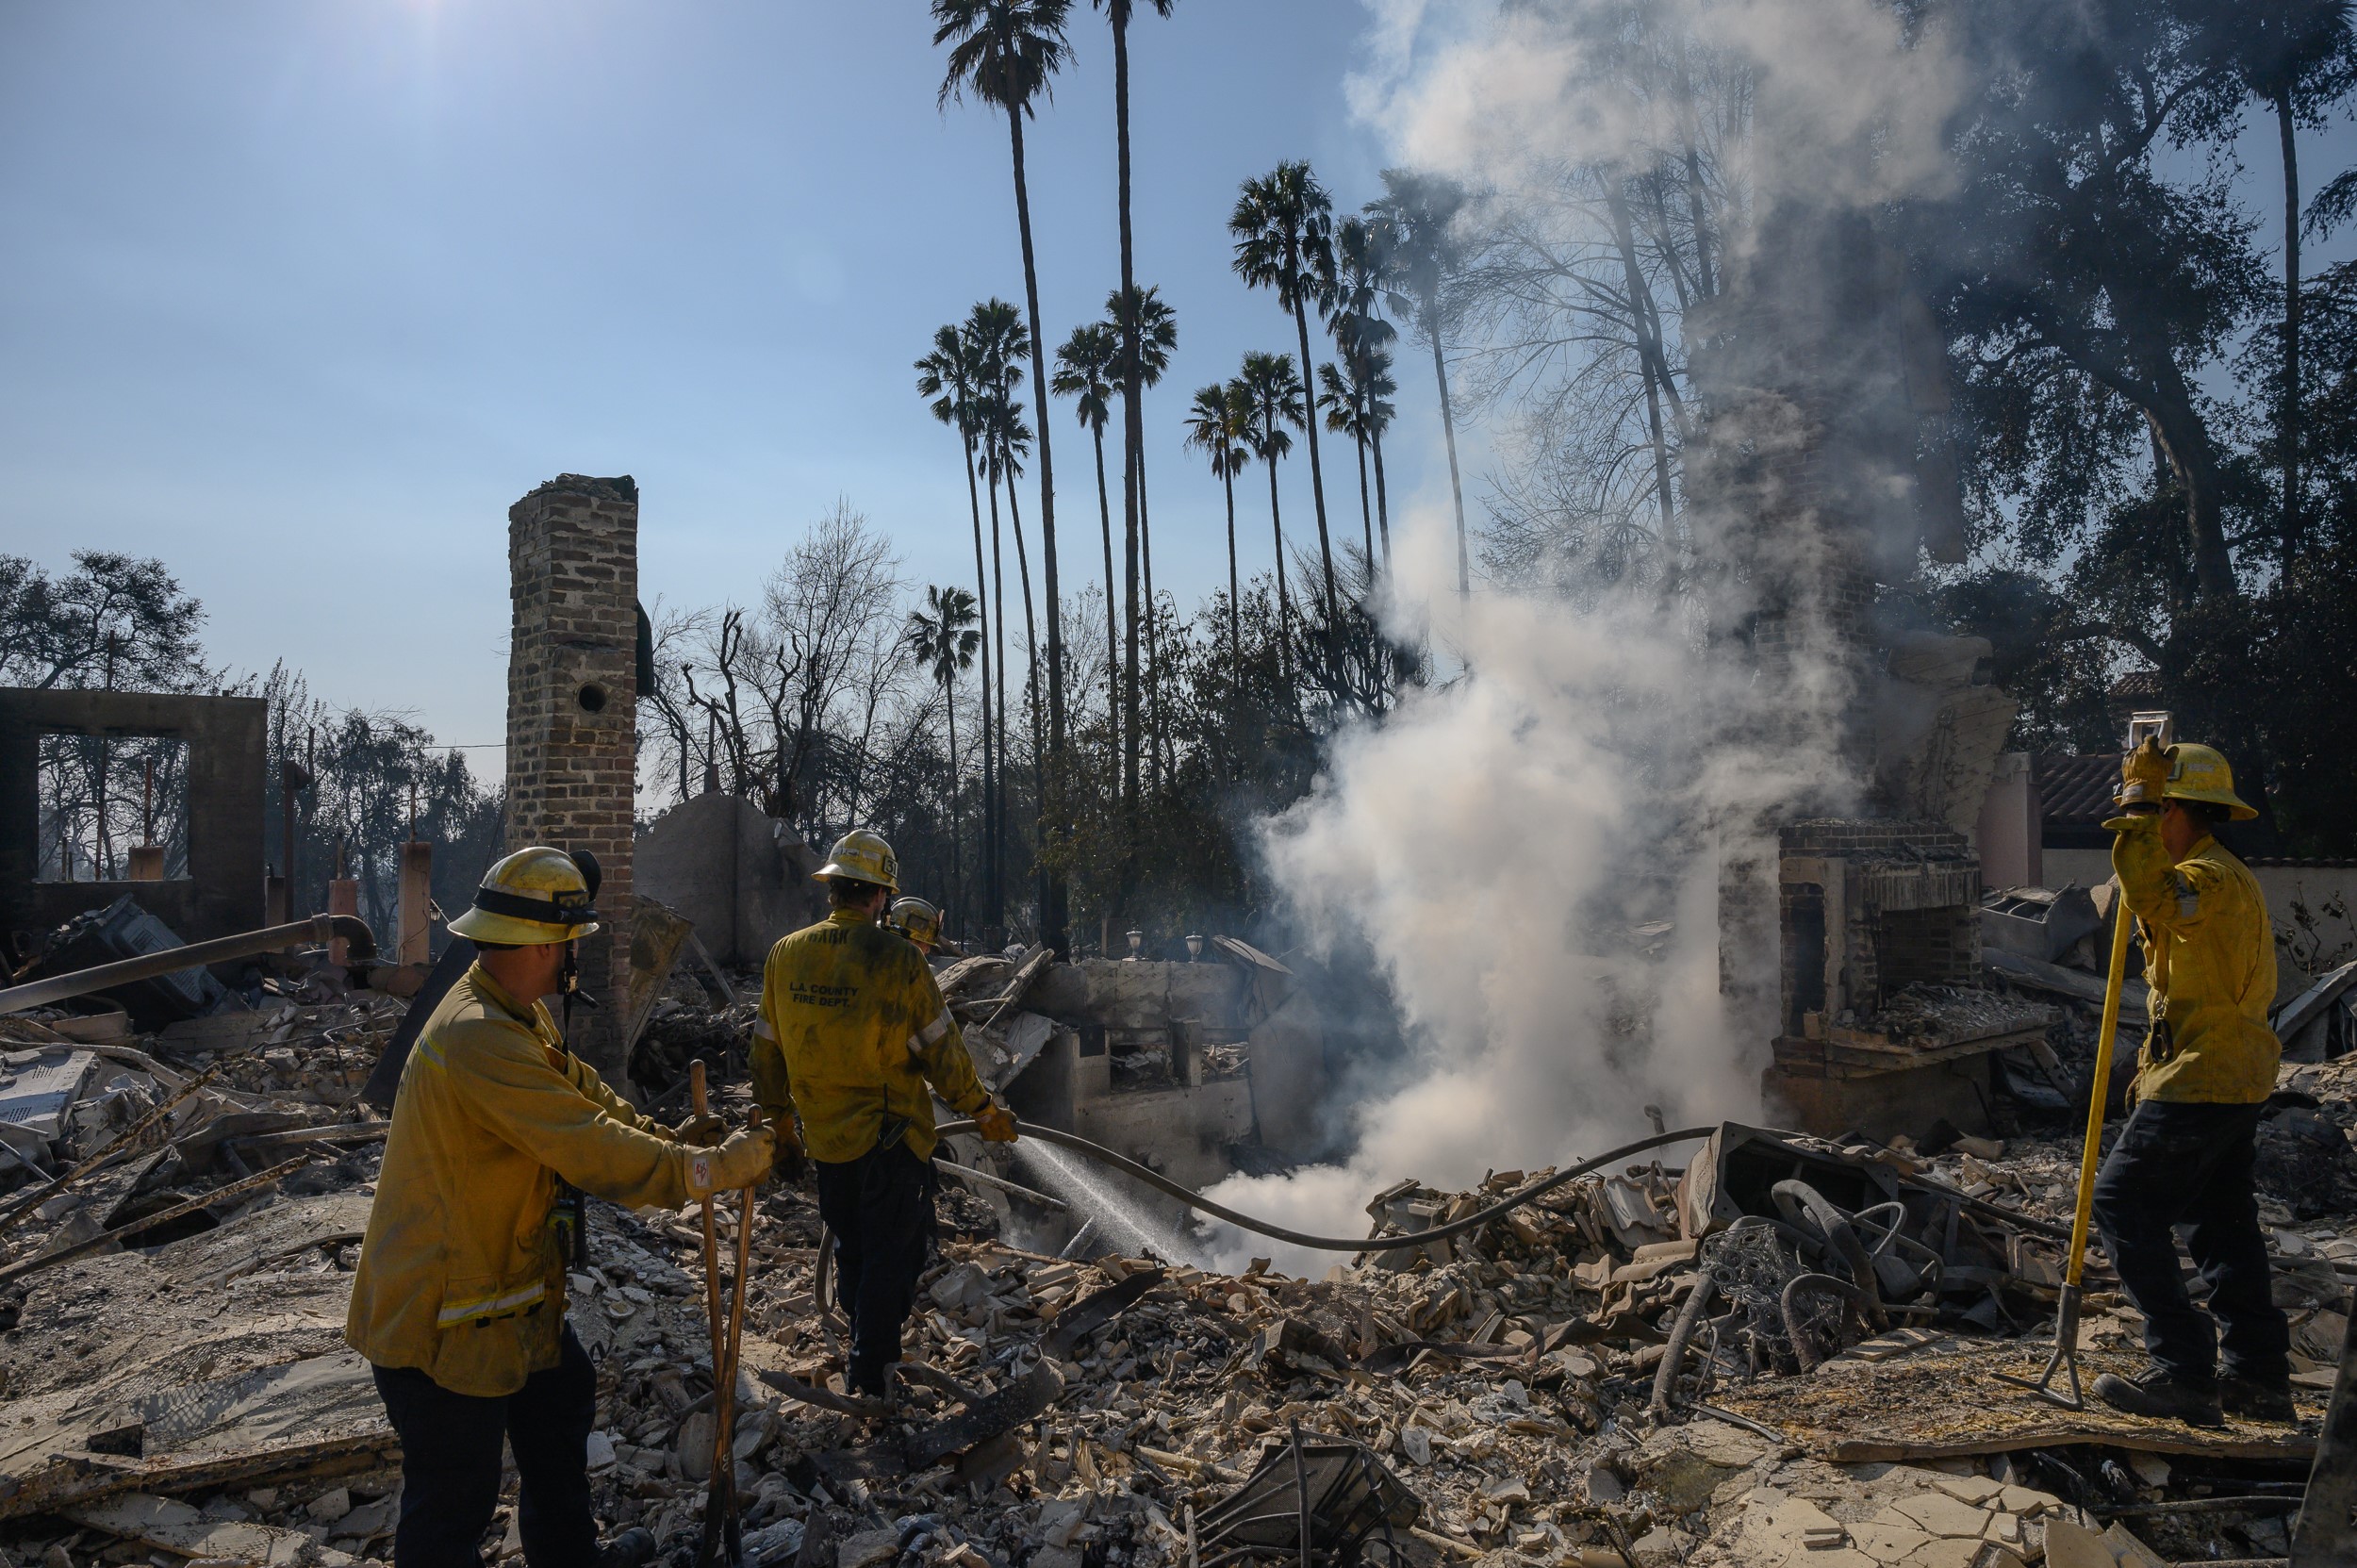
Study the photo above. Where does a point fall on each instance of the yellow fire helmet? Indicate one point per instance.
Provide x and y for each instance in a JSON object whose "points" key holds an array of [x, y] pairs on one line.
{"points": [[534, 896], [864, 856], [2201, 773], [918, 920]]}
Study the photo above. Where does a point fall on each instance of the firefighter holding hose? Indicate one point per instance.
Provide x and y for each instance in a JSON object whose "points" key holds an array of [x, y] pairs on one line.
{"points": [[2207, 1066], [853, 1040], [459, 1302]]}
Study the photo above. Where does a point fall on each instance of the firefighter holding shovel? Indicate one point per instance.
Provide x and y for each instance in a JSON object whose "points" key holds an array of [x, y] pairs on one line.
{"points": [[459, 1302], [2202, 1079]]}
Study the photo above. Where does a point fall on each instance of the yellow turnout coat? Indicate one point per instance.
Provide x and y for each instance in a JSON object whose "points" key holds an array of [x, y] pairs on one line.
{"points": [[853, 1030], [461, 1276], [2209, 955]]}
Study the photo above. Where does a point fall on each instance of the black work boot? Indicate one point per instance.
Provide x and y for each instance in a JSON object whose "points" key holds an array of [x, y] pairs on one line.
{"points": [[632, 1548], [2163, 1396], [2258, 1400]]}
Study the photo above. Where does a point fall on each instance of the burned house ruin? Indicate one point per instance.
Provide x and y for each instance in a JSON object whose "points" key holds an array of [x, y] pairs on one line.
{"points": [[220, 892], [1828, 470]]}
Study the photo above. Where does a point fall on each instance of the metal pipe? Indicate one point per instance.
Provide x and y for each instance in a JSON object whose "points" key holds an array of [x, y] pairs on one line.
{"points": [[221, 949]]}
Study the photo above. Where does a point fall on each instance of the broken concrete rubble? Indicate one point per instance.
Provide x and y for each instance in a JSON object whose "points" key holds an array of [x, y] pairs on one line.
{"points": [[188, 1393]]}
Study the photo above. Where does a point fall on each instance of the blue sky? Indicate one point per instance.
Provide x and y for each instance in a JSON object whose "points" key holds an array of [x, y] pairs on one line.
{"points": [[300, 297]]}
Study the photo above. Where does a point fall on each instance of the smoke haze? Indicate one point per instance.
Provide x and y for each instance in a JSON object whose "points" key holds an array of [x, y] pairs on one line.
{"points": [[1534, 851]]}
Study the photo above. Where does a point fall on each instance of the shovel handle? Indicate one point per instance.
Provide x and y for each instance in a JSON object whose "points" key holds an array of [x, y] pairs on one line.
{"points": [[2100, 1089], [724, 1493], [699, 1101]]}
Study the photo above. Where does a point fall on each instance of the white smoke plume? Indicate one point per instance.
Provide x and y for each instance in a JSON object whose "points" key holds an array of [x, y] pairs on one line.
{"points": [[1510, 844], [1492, 92]]}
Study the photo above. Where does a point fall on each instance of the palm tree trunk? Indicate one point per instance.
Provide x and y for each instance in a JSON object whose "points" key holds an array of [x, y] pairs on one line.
{"points": [[1052, 915], [996, 808], [1235, 633], [1366, 508], [1040, 760], [1132, 702], [1284, 604], [1448, 427], [1132, 443], [957, 863], [1317, 477], [1030, 624], [1158, 749], [982, 601], [1113, 645], [2293, 528], [1382, 502]]}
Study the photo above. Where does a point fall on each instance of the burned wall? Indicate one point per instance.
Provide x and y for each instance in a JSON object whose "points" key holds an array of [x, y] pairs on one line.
{"points": [[1867, 907], [572, 698], [222, 894], [740, 875]]}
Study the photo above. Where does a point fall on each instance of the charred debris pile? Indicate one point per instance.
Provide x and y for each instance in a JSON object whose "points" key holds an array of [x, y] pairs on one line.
{"points": [[1757, 1349]]}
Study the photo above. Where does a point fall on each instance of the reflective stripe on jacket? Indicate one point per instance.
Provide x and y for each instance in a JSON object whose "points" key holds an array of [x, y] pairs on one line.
{"points": [[851, 1030], [2209, 955], [461, 1276]]}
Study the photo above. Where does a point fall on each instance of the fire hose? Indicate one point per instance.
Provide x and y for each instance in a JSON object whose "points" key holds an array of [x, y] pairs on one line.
{"points": [[1474, 1221], [1201, 1204]]}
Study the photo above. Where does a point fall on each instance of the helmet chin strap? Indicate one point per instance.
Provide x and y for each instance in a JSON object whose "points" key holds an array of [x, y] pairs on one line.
{"points": [[569, 982]]}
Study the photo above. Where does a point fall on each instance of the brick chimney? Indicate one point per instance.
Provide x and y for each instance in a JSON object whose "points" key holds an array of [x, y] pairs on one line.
{"points": [[572, 700]]}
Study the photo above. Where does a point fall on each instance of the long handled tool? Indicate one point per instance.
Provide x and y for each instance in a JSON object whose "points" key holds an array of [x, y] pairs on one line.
{"points": [[723, 1378], [2066, 1309], [721, 1520], [699, 1102]]}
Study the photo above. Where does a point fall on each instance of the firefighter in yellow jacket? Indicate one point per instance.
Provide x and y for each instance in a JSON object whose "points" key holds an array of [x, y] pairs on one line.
{"points": [[853, 1040], [2202, 1079], [459, 1302]]}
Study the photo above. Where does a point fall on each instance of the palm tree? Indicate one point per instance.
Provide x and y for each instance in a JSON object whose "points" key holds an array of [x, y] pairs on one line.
{"points": [[1149, 334], [1271, 397], [1283, 225], [1219, 425], [942, 640], [1006, 53], [1412, 227], [951, 376], [1084, 368]]}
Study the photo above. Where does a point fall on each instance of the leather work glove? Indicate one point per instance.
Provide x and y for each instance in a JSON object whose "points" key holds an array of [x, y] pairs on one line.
{"points": [[792, 1159], [995, 1123], [701, 1131], [743, 1161], [2143, 777]]}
